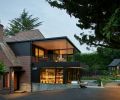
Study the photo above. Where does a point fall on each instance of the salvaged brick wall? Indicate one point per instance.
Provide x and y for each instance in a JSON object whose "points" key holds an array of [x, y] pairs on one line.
{"points": [[4, 59], [25, 78], [7, 63], [1, 82]]}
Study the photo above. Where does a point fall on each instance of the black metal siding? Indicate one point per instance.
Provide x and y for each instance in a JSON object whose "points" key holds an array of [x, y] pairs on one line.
{"points": [[35, 77], [36, 67], [20, 49], [57, 64]]}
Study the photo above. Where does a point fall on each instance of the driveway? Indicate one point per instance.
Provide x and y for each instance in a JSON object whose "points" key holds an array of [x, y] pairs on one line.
{"points": [[2, 98], [69, 94]]}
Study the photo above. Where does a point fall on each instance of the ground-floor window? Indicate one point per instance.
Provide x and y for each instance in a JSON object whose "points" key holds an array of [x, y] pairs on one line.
{"points": [[59, 76], [51, 75], [73, 74]]}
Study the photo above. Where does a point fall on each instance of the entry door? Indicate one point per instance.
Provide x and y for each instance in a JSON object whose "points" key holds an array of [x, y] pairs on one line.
{"points": [[16, 81], [6, 80]]}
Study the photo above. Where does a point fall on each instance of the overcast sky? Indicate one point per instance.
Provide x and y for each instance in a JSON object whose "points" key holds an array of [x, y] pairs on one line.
{"points": [[55, 22]]}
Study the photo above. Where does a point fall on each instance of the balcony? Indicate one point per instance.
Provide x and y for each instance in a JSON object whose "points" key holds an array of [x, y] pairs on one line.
{"points": [[47, 62], [52, 58], [51, 64]]}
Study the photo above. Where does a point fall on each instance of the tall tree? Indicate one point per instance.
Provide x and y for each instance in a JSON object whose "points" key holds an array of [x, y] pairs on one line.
{"points": [[24, 22], [92, 14], [94, 61], [108, 54], [99, 61]]}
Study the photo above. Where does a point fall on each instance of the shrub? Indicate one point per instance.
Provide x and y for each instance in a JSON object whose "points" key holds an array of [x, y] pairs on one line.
{"points": [[2, 68]]}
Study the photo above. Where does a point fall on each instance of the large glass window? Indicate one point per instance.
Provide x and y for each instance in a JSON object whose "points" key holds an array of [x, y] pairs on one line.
{"points": [[51, 76], [47, 76], [66, 51], [73, 74], [39, 52], [59, 75], [36, 52]]}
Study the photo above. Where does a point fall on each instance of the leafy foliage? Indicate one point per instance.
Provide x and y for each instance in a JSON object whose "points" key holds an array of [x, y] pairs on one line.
{"points": [[2, 68], [95, 15], [99, 61], [94, 61], [76, 56], [112, 28], [22, 23], [108, 54]]}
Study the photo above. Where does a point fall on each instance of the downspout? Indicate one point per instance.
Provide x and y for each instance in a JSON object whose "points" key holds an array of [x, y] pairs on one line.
{"points": [[31, 66]]}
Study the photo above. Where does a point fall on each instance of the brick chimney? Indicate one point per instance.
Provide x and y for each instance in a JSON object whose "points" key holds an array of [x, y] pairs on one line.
{"points": [[1, 32]]}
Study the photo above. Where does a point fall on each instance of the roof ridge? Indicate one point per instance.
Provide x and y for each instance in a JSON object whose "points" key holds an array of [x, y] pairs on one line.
{"points": [[25, 35]]}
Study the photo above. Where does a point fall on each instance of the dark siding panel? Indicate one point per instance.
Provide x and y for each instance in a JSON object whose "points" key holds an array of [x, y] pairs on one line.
{"points": [[58, 64], [21, 49], [35, 76]]}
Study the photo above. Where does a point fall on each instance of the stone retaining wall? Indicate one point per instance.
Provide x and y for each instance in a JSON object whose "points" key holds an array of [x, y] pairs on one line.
{"points": [[42, 87]]}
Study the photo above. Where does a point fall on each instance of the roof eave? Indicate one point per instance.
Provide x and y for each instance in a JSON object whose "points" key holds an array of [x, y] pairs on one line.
{"points": [[63, 37]]}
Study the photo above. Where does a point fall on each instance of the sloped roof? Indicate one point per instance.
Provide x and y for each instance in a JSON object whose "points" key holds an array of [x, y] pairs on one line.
{"points": [[5, 60], [115, 62], [24, 36], [8, 54]]}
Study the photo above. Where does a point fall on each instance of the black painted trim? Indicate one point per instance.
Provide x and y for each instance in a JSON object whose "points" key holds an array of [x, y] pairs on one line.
{"points": [[31, 65], [51, 64]]}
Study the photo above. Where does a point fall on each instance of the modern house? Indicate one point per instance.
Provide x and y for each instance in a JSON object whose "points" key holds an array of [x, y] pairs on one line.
{"points": [[35, 63]]}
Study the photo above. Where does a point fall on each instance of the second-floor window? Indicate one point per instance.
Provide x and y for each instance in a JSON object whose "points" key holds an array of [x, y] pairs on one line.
{"points": [[39, 52]]}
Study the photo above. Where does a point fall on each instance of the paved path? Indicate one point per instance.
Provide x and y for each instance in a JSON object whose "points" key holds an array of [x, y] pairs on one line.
{"points": [[69, 94], [2, 98]]}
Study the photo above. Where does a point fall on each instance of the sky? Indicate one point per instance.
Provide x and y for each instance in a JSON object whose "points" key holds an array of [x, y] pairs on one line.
{"points": [[56, 22]]}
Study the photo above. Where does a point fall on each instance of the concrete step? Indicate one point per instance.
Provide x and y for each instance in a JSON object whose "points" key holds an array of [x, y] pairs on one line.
{"points": [[18, 91]]}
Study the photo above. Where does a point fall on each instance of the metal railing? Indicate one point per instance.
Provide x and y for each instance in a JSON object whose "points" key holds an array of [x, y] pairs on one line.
{"points": [[49, 58]]}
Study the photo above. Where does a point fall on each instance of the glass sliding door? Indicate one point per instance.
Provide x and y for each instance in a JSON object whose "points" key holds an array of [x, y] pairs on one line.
{"points": [[73, 74], [59, 75], [47, 76], [51, 76]]}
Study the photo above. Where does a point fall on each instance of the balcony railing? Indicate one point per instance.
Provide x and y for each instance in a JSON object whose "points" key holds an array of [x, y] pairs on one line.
{"points": [[50, 58], [57, 64]]}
